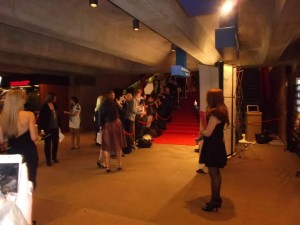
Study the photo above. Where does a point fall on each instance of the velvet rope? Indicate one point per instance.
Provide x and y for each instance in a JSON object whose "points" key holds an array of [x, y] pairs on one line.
{"points": [[147, 123], [258, 122], [158, 116], [129, 134]]}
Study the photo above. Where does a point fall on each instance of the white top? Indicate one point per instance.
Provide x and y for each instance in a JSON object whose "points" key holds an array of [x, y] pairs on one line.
{"points": [[74, 121]]}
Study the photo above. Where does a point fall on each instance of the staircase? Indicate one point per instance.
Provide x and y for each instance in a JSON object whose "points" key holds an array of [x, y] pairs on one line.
{"points": [[250, 85], [184, 126]]}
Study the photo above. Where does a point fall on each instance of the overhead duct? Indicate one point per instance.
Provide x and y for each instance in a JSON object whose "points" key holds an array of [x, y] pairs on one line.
{"points": [[180, 70], [226, 42], [226, 39]]}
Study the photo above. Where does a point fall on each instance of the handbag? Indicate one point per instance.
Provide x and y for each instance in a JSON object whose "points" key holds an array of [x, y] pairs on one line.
{"points": [[61, 136], [99, 137]]}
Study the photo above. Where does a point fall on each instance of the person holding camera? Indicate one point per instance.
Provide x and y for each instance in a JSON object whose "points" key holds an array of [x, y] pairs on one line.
{"points": [[132, 111]]}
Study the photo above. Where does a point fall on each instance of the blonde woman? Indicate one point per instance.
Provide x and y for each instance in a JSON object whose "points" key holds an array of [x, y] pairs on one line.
{"points": [[96, 117], [98, 128], [18, 127], [98, 102]]}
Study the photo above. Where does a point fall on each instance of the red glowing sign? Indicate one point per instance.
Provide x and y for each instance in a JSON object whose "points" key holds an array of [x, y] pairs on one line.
{"points": [[19, 83]]}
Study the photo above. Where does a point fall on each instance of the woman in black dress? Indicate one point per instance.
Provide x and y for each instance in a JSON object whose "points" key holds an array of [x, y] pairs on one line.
{"points": [[18, 127], [213, 153]]}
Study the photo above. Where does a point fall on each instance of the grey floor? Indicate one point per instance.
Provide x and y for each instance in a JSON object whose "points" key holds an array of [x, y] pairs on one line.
{"points": [[159, 186]]}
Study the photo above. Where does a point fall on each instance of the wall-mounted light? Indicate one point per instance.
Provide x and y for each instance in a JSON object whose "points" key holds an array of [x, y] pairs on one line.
{"points": [[93, 3], [173, 47], [136, 24]]}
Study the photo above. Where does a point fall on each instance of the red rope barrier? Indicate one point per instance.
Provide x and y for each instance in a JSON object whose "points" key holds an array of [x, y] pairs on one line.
{"points": [[146, 123], [129, 134], [258, 122], [158, 116], [203, 120]]}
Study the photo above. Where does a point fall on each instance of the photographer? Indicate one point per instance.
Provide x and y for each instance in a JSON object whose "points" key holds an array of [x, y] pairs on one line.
{"points": [[132, 111], [123, 103], [152, 106], [141, 120]]}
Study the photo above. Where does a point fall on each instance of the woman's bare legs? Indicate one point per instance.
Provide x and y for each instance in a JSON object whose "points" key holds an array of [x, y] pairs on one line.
{"points": [[119, 157], [101, 160], [107, 160], [72, 131], [77, 137]]}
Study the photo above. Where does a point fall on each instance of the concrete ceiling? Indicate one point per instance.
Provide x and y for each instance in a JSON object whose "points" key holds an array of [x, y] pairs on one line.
{"points": [[69, 37]]}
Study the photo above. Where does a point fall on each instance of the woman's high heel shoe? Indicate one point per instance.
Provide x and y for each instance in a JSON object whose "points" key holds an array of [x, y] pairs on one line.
{"points": [[219, 201], [212, 206], [98, 163], [100, 166]]}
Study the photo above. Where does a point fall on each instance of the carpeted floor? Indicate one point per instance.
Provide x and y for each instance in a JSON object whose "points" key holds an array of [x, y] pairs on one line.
{"points": [[184, 126], [159, 186]]}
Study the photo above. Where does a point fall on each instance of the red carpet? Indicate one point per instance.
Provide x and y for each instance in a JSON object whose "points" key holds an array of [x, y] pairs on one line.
{"points": [[184, 127]]}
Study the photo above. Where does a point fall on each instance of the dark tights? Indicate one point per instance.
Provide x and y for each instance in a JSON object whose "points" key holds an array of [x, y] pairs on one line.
{"points": [[216, 181]]}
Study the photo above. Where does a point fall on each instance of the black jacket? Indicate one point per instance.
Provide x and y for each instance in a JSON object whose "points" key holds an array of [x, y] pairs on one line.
{"points": [[45, 115]]}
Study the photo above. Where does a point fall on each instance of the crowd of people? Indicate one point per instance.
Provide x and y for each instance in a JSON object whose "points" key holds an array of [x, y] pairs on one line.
{"points": [[139, 114], [121, 121]]}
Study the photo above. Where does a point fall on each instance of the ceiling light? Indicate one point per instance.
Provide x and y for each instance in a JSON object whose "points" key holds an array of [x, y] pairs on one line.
{"points": [[173, 47], [93, 3], [136, 24], [227, 7]]}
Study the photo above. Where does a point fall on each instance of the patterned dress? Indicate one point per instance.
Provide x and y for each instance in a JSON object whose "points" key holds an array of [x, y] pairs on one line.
{"points": [[113, 136]]}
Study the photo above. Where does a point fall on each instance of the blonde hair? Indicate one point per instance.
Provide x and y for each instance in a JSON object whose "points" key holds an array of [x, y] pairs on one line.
{"points": [[128, 97], [98, 102], [13, 104]]}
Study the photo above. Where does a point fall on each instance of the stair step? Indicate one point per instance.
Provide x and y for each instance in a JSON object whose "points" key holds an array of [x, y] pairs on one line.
{"points": [[183, 129], [193, 132], [184, 125]]}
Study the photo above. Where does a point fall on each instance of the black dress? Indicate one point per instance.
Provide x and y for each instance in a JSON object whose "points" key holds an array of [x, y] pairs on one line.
{"points": [[26, 147], [213, 153]]}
